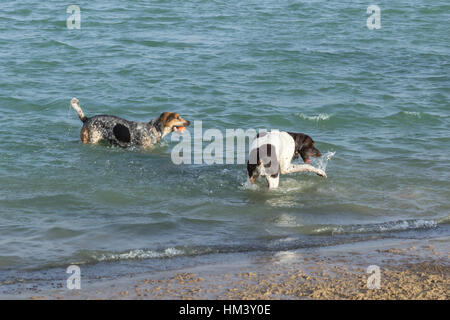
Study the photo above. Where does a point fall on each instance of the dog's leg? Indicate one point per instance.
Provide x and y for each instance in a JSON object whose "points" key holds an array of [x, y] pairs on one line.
{"points": [[303, 168], [273, 182]]}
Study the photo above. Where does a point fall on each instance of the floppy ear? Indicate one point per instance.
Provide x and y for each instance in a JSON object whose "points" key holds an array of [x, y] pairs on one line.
{"points": [[308, 141], [299, 139], [160, 121], [163, 117]]}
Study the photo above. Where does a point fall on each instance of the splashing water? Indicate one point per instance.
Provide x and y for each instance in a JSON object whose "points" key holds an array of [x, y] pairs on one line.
{"points": [[322, 162]]}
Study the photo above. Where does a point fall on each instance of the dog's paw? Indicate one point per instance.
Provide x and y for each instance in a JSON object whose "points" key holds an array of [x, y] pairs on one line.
{"points": [[321, 173], [74, 101]]}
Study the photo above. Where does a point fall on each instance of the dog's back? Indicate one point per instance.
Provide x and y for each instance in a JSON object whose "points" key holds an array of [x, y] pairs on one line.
{"points": [[115, 130]]}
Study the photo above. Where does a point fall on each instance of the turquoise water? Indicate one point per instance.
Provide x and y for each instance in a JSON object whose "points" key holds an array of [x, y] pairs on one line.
{"points": [[379, 99]]}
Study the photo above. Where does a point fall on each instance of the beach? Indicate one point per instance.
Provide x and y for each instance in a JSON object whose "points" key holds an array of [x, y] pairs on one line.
{"points": [[412, 269]]}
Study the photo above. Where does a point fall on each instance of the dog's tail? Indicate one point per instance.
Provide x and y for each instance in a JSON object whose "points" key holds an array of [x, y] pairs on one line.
{"points": [[76, 105]]}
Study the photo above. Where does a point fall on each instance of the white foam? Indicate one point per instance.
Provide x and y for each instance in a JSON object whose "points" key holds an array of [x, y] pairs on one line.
{"points": [[248, 186], [317, 118], [413, 113], [400, 225], [287, 220], [138, 254]]}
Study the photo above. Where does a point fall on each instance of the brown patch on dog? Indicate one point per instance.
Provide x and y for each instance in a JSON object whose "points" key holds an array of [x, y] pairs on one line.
{"points": [[84, 135], [89, 135]]}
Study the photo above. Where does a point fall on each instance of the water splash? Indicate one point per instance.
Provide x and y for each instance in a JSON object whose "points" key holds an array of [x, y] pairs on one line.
{"points": [[322, 162], [69, 115], [248, 186]]}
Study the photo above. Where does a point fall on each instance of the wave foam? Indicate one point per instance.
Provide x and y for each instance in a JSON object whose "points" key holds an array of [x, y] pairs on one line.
{"points": [[413, 113], [316, 118], [400, 225], [137, 254]]}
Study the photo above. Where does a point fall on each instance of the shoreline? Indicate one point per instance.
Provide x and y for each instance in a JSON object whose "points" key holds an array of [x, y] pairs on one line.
{"points": [[409, 269]]}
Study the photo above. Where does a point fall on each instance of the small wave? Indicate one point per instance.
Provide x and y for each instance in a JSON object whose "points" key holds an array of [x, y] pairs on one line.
{"points": [[136, 254], [444, 220], [412, 113], [414, 116], [400, 225], [55, 44], [316, 118], [156, 43]]}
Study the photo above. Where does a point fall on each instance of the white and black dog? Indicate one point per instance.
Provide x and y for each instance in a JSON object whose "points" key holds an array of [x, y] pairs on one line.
{"points": [[271, 154]]}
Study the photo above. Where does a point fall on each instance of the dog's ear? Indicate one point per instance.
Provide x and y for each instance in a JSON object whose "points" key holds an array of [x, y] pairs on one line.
{"points": [[162, 120], [163, 117], [308, 142], [167, 117], [299, 139], [304, 146]]}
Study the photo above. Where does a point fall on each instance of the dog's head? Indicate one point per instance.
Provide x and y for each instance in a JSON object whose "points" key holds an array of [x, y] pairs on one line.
{"points": [[171, 122], [304, 147]]}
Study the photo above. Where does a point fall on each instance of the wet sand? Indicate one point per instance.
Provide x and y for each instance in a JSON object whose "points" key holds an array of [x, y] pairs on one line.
{"points": [[409, 269]]}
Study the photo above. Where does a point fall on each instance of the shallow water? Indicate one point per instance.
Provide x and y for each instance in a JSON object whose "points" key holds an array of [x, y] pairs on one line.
{"points": [[378, 100]]}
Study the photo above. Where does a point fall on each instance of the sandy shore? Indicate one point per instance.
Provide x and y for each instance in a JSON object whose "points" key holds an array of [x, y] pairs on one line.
{"points": [[409, 269]]}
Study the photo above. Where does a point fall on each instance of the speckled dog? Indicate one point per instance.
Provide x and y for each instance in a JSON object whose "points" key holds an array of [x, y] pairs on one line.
{"points": [[124, 133]]}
